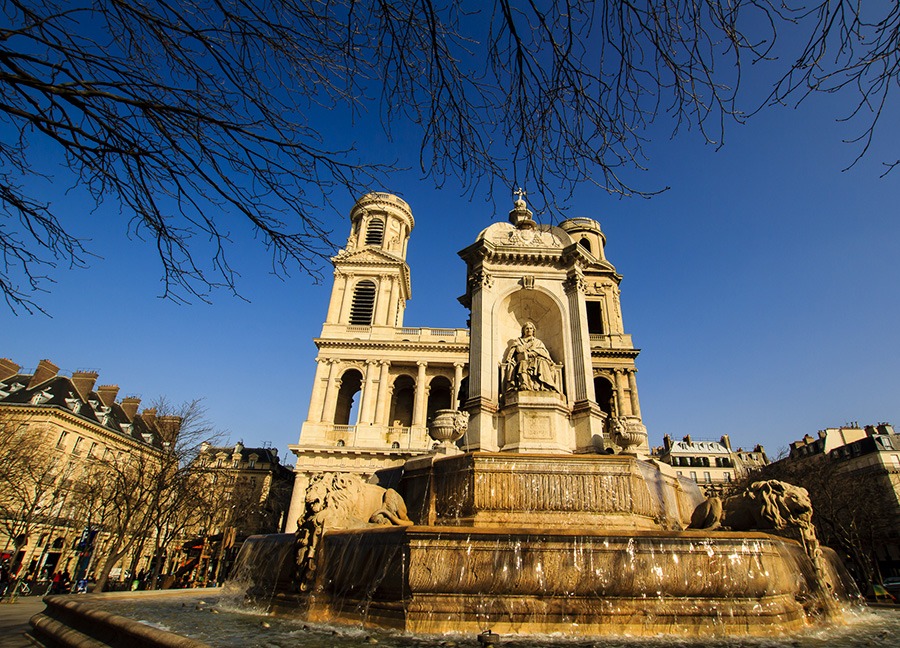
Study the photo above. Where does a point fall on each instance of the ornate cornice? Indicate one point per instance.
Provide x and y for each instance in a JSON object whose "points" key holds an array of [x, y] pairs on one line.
{"points": [[388, 345], [615, 353]]}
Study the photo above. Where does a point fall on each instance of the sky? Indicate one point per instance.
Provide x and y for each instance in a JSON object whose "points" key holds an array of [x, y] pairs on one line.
{"points": [[762, 288]]}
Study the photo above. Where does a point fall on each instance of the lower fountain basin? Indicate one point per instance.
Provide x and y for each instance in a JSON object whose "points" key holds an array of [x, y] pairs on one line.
{"points": [[575, 582]]}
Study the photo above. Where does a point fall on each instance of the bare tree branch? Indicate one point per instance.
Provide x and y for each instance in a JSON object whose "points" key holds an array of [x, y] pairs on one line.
{"points": [[202, 119]]}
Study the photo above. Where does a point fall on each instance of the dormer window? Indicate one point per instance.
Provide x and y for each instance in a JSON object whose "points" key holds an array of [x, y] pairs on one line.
{"points": [[252, 461], [41, 397]]}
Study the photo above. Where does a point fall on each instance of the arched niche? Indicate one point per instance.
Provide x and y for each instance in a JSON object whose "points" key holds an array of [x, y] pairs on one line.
{"points": [[535, 306]]}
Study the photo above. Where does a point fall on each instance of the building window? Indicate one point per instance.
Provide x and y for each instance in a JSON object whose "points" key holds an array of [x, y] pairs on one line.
{"points": [[728, 476], [680, 474], [594, 317], [92, 449], [694, 475], [585, 244], [62, 439], [76, 450], [363, 305], [340, 443], [707, 477], [375, 232], [253, 463]]}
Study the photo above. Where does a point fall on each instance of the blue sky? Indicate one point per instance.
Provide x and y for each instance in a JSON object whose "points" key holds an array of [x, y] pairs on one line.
{"points": [[762, 288]]}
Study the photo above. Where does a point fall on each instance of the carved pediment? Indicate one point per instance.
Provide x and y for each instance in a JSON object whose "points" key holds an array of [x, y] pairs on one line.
{"points": [[366, 256]]}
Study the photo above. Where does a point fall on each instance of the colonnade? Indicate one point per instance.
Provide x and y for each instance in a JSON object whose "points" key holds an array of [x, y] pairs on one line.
{"points": [[377, 388]]}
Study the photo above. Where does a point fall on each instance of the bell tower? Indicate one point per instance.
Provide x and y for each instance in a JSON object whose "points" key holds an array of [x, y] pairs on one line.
{"points": [[371, 276]]}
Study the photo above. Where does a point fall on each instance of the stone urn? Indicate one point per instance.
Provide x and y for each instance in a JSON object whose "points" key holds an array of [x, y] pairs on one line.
{"points": [[628, 432], [447, 427]]}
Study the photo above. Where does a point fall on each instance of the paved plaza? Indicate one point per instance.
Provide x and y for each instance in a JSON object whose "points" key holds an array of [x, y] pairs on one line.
{"points": [[14, 620]]}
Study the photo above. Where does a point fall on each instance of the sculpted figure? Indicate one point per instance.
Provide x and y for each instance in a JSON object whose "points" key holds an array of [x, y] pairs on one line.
{"points": [[769, 506], [764, 506], [341, 501], [528, 364]]}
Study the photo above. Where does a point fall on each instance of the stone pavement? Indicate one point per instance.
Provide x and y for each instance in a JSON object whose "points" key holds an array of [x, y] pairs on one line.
{"points": [[14, 620]]}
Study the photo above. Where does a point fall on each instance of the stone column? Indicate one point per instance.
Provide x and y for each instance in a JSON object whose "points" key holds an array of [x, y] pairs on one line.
{"points": [[338, 289], [420, 405], [344, 315], [298, 502], [320, 384], [331, 392], [620, 393], [632, 386], [383, 395], [392, 306], [381, 299], [365, 404], [580, 354], [457, 383]]}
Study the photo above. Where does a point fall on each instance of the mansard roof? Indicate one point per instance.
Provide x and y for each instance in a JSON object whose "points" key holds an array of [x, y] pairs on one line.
{"points": [[58, 392]]}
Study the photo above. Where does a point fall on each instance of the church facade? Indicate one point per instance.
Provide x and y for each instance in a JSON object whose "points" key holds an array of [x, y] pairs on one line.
{"points": [[545, 367]]}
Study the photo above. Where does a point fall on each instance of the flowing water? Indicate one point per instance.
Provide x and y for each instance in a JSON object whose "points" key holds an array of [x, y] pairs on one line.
{"points": [[213, 620]]}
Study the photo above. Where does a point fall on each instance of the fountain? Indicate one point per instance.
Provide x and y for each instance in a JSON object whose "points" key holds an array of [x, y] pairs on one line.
{"points": [[539, 510]]}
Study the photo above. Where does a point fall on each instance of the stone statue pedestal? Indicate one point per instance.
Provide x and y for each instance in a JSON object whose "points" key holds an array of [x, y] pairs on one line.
{"points": [[535, 421]]}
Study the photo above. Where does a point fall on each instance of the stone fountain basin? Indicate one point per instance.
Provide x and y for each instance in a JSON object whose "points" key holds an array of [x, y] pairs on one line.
{"points": [[576, 581]]}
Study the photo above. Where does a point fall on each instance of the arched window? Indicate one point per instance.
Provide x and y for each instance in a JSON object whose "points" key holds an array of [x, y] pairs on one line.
{"points": [[346, 409], [440, 396], [585, 244], [402, 399], [363, 305], [603, 392], [375, 232]]}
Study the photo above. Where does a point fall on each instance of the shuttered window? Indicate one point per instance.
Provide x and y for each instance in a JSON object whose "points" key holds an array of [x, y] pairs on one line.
{"points": [[363, 304]]}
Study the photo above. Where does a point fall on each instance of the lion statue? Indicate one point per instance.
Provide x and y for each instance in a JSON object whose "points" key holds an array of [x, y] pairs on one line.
{"points": [[342, 501], [764, 506]]}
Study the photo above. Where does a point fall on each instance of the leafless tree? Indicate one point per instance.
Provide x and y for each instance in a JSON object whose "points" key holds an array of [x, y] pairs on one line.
{"points": [[34, 482], [201, 119], [854, 510], [148, 496]]}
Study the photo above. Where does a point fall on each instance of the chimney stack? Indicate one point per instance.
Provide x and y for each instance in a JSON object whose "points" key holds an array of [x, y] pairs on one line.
{"points": [[149, 416], [8, 368], [169, 427], [667, 442], [130, 406], [44, 372], [107, 394], [726, 441], [84, 382]]}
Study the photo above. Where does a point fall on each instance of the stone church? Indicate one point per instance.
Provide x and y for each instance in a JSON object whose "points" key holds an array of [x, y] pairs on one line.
{"points": [[545, 367]]}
